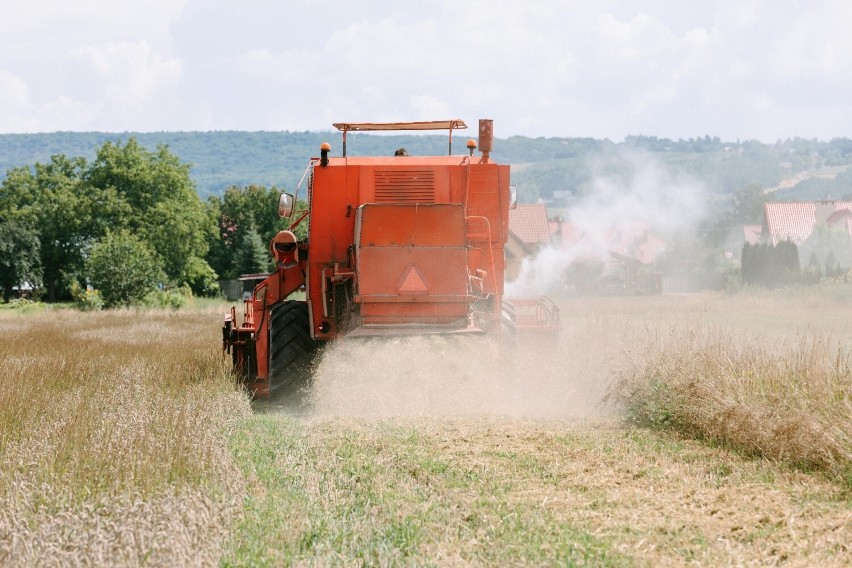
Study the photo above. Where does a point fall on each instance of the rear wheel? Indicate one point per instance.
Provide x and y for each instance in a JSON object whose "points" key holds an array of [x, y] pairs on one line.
{"points": [[291, 348]]}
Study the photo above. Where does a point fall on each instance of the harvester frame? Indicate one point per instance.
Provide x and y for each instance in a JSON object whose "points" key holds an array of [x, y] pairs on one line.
{"points": [[396, 245]]}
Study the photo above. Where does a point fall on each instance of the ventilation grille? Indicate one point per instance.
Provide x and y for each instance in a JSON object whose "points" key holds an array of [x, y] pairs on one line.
{"points": [[405, 186]]}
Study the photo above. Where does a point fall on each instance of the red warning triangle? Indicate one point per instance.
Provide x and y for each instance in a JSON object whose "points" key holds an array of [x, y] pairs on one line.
{"points": [[412, 283]]}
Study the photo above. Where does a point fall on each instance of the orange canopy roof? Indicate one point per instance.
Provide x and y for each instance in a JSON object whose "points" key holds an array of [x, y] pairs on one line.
{"points": [[454, 124]]}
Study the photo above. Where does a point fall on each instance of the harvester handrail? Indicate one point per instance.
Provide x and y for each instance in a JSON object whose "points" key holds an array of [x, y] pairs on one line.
{"points": [[296, 196], [493, 270]]}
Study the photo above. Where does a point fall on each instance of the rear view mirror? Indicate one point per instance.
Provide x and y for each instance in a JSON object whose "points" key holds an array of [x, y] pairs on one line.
{"points": [[513, 196], [285, 205]]}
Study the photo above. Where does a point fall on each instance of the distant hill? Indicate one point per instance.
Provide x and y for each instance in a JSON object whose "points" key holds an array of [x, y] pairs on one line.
{"points": [[555, 170]]}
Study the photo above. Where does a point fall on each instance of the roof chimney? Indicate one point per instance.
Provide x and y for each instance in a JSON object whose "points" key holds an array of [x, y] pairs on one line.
{"points": [[823, 211]]}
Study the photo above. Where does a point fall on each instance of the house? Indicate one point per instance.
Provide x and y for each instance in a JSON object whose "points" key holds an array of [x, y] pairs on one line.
{"points": [[623, 251], [633, 241], [842, 219], [795, 221], [528, 222], [528, 232]]}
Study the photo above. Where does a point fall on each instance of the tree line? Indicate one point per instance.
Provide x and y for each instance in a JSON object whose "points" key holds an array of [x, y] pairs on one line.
{"points": [[129, 226], [558, 164]]}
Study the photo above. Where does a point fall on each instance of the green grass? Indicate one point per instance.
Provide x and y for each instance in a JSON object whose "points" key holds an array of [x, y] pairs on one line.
{"points": [[384, 494], [24, 306]]}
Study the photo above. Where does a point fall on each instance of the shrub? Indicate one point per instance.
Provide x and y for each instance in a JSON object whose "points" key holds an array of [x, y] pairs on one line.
{"points": [[788, 403], [202, 279], [87, 300], [123, 268], [174, 298]]}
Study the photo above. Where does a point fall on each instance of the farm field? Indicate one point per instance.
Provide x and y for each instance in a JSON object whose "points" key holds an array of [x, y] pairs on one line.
{"points": [[123, 440]]}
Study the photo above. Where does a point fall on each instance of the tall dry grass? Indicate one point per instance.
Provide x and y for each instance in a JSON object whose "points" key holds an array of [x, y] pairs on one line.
{"points": [[112, 439], [788, 400]]}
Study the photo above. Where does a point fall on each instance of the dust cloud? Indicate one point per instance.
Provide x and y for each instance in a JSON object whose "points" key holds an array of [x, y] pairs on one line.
{"points": [[454, 376], [645, 196]]}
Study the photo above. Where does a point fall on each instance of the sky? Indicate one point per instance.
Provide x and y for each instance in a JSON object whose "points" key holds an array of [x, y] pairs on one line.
{"points": [[763, 69]]}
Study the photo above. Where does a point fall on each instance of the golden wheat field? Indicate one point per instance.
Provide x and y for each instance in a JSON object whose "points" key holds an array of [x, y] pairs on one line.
{"points": [[674, 430]]}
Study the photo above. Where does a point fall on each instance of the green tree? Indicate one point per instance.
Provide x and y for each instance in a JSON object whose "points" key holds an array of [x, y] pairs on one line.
{"points": [[164, 207], [53, 196], [771, 265], [235, 213], [832, 269], [830, 241], [252, 256], [124, 269], [71, 204], [201, 278], [66, 214], [747, 205], [19, 256]]}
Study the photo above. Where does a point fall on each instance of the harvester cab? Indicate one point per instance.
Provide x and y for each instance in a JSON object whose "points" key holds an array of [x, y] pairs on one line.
{"points": [[396, 245]]}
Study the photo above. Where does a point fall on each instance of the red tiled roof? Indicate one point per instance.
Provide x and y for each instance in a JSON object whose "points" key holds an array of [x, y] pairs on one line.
{"points": [[795, 221], [565, 233], [752, 234], [841, 218], [789, 221], [634, 241], [528, 222]]}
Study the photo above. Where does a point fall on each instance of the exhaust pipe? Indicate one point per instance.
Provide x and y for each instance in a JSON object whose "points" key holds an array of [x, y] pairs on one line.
{"points": [[486, 137]]}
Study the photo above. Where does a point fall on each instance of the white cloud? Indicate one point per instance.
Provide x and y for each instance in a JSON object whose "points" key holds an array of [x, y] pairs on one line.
{"points": [[760, 102], [13, 91], [637, 39], [69, 22], [740, 68], [131, 71], [601, 69], [87, 62], [428, 107], [654, 97], [14, 100], [65, 113], [817, 42]]}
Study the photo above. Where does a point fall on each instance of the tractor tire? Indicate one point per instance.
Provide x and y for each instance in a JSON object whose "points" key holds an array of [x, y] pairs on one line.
{"points": [[291, 348]]}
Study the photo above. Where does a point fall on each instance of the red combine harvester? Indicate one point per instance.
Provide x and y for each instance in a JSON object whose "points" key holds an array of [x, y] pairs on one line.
{"points": [[397, 245]]}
